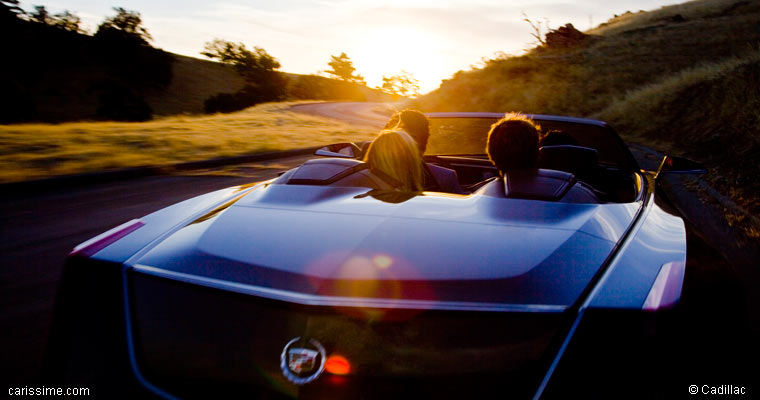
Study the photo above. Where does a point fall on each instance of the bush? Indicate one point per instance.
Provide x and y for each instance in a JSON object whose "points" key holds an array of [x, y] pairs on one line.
{"points": [[133, 61], [118, 103], [15, 103], [230, 102], [314, 87]]}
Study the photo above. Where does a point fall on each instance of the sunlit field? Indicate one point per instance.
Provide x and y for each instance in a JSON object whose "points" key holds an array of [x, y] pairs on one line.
{"points": [[30, 151]]}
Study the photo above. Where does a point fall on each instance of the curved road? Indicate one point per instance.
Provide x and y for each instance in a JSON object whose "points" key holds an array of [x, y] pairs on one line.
{"points": [[368, 114]]}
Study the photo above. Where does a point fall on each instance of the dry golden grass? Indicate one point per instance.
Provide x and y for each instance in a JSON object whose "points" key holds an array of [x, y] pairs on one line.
{"points": [[709, 112], [29, 151], [689, 10], [642, 49]]}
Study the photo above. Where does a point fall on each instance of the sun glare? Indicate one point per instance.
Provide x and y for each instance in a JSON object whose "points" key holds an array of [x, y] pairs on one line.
{"points": [[390, 50]]}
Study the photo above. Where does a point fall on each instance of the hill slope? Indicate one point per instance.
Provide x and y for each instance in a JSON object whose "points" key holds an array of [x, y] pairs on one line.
{"points": [[685, 78], [622, 55], [194, 80]]}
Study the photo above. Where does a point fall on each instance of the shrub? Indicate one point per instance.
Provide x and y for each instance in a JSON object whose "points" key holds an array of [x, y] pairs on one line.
{"points": [[118, 103]]}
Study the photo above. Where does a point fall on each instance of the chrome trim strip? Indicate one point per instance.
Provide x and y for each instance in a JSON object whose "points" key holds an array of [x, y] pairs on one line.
{"points": [[337, 301], [627, 240], [131, 342], [555, 362]]}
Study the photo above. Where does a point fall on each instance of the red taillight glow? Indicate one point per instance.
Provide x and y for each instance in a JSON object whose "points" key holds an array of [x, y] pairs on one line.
{"points": [[102, 241], [337, 365]]}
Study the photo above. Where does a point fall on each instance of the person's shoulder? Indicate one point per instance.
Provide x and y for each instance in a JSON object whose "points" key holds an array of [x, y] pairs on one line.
{"points": [[435, 168], [447, 179]]}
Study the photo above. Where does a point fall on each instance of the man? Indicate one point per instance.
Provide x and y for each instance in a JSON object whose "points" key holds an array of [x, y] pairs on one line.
{"points": [[513, 148], [416, 124]]}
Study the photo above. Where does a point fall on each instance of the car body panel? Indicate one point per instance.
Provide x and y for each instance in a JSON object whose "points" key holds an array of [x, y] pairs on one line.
{"points": [[477, 248], [158, 224]]}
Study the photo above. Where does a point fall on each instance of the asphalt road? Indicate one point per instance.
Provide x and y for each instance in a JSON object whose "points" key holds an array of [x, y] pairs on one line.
{"points": [[37, 231], [369, 114]]}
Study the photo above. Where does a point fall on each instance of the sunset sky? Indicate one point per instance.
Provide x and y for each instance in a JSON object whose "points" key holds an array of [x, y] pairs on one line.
{"points": [[432, 39]]}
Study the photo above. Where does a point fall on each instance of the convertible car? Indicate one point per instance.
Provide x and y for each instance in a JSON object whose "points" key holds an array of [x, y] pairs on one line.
{"points": [[327, 283]]}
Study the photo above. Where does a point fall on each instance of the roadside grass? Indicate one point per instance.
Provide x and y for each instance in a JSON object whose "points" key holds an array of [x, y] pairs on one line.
{"points": [[30, 151], [710, 113]]}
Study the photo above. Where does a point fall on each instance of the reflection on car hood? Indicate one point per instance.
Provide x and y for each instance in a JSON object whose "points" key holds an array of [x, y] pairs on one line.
{"points": [[336, 241]]}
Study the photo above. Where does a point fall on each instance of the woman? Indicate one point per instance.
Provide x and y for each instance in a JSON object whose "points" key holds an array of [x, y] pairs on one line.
{"points": [[394, 157]]}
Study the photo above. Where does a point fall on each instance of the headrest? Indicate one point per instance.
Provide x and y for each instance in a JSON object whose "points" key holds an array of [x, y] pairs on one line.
{"points": [[324, 171], [572, 159], [537, 184]]}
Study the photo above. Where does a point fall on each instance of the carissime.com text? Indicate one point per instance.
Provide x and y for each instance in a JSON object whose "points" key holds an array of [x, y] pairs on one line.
{"points": [[48, 391]]}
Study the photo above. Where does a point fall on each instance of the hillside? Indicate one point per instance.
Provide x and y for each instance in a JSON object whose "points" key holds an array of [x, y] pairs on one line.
{"points": [[619, 56], [194, 80], [55, 74], [683, 78]]}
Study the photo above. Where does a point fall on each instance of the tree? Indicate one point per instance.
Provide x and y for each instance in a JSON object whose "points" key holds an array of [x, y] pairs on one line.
{"points": [[41, 15], [343, 69], [257, 67], [402, 84], [9, 10], [68, 22], [125, 23], [536, 27], [122, 44], [253, 65], [65, 20]]}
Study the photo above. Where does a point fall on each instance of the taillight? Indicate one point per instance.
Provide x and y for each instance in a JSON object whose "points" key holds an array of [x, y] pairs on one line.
{"points": [[666, 290], [337, 365], [102, 241]]}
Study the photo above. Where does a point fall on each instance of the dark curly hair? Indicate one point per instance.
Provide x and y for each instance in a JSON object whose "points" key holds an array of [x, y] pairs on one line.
{"points": [[513, 143], [413, 122]]}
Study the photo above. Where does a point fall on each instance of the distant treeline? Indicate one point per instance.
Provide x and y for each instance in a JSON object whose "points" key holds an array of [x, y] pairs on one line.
{"points": [[52, 69], [265, 83]]}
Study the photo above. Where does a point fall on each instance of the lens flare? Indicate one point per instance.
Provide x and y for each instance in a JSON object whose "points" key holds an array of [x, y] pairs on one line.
{"points": [[382, 261], [337, 365]]}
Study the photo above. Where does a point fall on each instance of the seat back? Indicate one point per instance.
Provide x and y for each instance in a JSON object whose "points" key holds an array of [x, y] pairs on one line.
{"points": [[577, 160], [537, 184]]}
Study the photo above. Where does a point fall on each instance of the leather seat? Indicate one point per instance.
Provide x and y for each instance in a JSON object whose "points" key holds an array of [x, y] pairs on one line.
{"points": [[540, 184]]}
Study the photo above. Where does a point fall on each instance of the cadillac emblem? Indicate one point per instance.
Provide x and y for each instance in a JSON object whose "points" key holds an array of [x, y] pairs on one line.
{"points": [[302, 360]]}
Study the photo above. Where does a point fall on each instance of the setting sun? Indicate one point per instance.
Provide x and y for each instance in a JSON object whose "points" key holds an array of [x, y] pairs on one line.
{"points": [[387, 51]]}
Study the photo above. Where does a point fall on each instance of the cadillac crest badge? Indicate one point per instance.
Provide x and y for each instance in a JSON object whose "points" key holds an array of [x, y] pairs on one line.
{"points": [[302, 360]]}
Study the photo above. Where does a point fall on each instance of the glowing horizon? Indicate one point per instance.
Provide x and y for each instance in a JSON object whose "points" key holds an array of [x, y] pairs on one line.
{"points": [[430, 40]]}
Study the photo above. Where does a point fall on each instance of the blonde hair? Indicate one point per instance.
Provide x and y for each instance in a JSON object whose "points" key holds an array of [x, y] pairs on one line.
{"points": [[395, 154]]}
